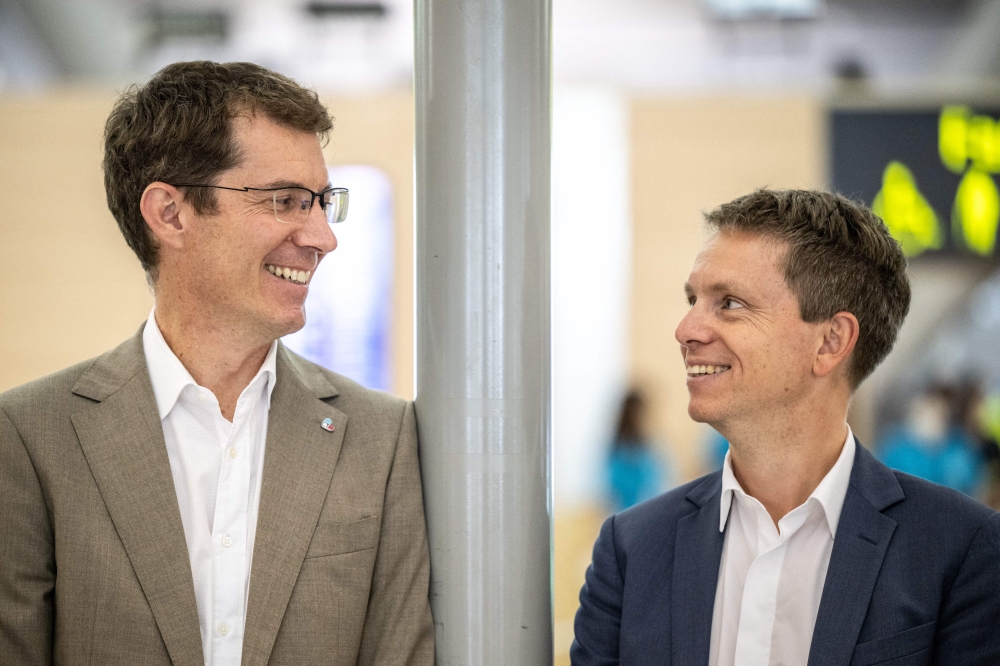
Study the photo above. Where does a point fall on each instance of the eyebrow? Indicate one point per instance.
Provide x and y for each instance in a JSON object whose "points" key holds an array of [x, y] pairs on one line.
{"points": [[292, 183], [714, 288]]}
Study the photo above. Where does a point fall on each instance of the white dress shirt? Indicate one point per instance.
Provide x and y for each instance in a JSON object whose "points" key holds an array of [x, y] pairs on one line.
{"points": [[216, 467], [771, 580]]}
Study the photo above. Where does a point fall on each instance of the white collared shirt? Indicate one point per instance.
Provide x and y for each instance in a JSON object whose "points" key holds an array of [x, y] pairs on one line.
{"points": [[216, 467], [771, 579]]}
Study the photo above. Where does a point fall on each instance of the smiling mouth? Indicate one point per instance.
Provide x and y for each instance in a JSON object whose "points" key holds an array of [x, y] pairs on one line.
{"points": [[290, 274], [703, 370]]}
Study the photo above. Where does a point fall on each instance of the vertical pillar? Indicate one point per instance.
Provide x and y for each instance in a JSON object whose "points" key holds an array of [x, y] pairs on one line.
{"points": [[482, 297]]}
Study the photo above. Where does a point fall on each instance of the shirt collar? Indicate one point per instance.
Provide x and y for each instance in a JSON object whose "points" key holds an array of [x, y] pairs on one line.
{"points": [[169, 376], [830, 492]]}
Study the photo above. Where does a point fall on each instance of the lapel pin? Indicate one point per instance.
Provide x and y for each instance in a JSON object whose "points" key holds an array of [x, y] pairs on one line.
{"points": [[327, 425]]}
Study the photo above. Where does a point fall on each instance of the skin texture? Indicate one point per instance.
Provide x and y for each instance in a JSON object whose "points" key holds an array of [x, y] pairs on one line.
{"points": [[783, 402], [217, 306]]}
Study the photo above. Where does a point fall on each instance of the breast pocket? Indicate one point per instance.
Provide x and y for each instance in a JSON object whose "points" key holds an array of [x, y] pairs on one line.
{"points": [[341, 538], [913, 647]]}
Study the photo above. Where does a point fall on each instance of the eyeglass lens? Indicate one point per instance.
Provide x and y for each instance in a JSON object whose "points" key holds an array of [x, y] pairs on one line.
{"points": [[293, 205]]}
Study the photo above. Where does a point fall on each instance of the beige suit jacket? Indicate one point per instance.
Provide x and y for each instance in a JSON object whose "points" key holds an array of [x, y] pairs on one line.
{"points": [[93, 563]]}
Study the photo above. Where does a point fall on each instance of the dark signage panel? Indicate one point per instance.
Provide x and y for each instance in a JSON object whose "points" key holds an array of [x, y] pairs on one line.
{"points": [[901, 154]]}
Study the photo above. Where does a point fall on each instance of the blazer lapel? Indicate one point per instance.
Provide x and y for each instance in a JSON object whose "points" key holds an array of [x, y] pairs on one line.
{"points": [[299, 460], [122, 439], [697, 554], [863, 536]]}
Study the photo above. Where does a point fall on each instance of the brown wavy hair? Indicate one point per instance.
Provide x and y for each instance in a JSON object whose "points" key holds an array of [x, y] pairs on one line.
{"points": [[177, 128], [840, 258]]}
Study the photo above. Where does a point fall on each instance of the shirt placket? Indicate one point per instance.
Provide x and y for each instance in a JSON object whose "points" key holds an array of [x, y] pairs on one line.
{"points": [[760, 589], [229, 536]]}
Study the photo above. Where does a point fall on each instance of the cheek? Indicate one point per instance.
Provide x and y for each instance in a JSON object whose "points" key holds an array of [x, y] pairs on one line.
{"points": [[777, 360], [788, 362]]}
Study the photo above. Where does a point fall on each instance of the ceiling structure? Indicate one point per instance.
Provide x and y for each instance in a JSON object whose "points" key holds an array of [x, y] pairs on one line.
{"points": [[642, 45]]}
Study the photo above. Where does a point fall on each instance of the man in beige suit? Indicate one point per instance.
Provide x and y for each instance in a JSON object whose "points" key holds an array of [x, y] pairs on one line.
{"points": [[200, 494]]}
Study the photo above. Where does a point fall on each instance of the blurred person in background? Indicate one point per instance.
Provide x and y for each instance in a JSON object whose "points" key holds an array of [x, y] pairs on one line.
{"points": [[803, 549], [636, 471], [981, 415], [138, 488], [936, 441]]}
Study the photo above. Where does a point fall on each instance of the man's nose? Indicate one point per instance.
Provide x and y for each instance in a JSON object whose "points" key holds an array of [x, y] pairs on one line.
{"points": [[694, 328], [316, 232]]}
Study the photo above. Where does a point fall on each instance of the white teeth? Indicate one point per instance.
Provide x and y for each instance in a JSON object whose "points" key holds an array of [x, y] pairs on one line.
{"points": [[290, 274], [694, 370]]}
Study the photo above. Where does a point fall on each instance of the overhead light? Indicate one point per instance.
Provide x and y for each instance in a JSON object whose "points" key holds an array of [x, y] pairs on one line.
{"points": [[177, 24], [347, 9], [754, 9]]}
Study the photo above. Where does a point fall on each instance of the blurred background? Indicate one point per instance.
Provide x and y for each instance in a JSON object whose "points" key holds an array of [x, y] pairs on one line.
{"points": [[663, 109]]}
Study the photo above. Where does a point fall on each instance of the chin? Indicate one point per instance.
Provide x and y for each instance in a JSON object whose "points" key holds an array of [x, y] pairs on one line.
{"points": [[292, 322], [701, 412], [282, 321]]}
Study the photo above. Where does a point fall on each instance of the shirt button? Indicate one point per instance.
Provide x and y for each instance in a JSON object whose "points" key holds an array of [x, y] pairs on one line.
{"points": [[227, 541], [223, 630], [232, 451], [202, 398]]}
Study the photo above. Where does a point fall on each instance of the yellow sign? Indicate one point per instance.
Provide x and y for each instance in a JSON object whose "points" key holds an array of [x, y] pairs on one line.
{"points": [[977, 211], [969, 145], [953, 142], [905, 211], [963, 137]]}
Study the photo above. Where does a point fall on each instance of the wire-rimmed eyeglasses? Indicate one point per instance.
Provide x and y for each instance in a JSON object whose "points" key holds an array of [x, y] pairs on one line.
{"points": [[292, 204]]}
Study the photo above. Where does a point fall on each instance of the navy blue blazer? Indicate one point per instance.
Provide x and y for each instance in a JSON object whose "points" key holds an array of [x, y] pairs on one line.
{"points": [[914, 578]]}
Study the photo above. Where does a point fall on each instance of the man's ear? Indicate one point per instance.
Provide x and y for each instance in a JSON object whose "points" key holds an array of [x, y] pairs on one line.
{"points": [[840, 336], [161, 208]]}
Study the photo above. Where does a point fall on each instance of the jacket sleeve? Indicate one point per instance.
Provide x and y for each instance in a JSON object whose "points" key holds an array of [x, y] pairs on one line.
{"points": [[27, 556], [967, 627], [398, 627], [598, 619]]}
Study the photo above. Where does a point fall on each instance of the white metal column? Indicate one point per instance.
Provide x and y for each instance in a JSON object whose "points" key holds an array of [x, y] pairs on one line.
{"points": [[483, 94]]}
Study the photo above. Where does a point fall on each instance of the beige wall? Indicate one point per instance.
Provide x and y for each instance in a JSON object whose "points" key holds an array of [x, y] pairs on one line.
{"points": [[71, 287], [688, 156]]}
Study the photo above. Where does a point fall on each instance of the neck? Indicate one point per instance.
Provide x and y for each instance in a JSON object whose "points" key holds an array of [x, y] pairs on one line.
{"points": [[780, 460], [221, 357]]}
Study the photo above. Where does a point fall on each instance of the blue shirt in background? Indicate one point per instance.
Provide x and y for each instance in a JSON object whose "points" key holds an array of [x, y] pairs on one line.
{"points": [[953, 461], [635, 474]]}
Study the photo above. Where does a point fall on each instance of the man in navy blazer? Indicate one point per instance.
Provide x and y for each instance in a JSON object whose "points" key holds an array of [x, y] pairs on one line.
{"points": [[803, 549]]}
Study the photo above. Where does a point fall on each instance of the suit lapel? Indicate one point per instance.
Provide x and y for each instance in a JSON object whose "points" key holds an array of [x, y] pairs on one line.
{"points": [[697, 554], [299, 460], [122, 439], [863, 536]]}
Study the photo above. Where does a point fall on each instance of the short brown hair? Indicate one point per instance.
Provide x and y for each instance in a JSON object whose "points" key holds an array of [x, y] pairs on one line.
{"points": [[177, 128], [841, 258]]}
